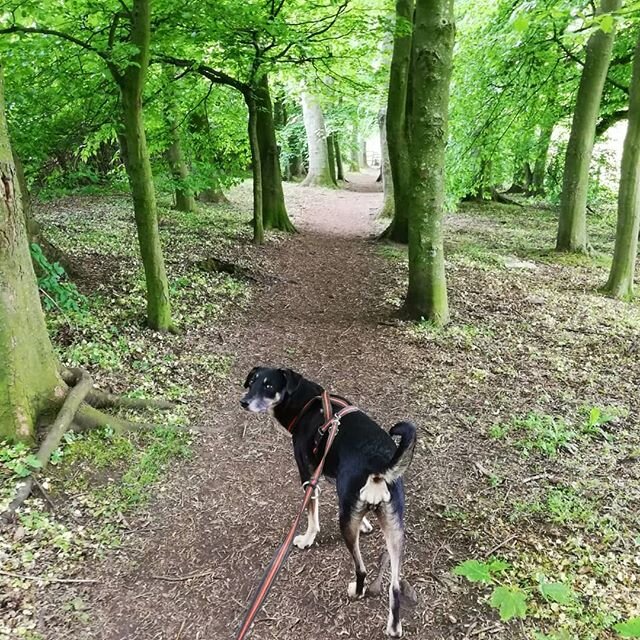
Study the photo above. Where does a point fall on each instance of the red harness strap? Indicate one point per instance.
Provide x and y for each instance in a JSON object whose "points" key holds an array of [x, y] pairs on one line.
{"points": [[330, 426]]}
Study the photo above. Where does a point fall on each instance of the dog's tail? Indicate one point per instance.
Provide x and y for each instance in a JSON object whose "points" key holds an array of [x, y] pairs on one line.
{"points": [[404, 453], [376, 489]]}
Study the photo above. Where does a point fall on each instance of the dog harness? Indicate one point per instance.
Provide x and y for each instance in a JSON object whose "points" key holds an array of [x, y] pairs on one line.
{"points": [[330, 429], [327, 409]]}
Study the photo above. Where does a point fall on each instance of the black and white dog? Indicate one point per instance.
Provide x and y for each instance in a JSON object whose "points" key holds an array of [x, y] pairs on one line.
{"points": [[364, 461]]}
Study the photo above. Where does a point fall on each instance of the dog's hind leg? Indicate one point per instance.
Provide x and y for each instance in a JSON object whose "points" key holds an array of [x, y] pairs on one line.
{"points": [[390, 516], [313, 523], [350, 522], [365, 526]]}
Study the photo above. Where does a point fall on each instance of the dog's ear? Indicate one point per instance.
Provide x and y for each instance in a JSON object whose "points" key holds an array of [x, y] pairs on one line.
{"points": [[250, 377], [292, 380]]}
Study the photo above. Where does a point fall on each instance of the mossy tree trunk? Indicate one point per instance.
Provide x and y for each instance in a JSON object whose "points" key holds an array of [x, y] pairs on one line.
{"points": [[432, 62], [386, 211], [185, 200], [29, 380], [572, 224], [620, 282], [274, 211], [331, 151], [397, 142], [319, 173], [256, 166], [135, 153], [339, 164], [354, 159], [540, 164]]}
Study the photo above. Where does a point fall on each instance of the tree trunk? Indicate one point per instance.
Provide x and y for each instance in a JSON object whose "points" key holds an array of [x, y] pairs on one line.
{"points": [[363, 153], [274, 211], [135, 153], [572, 225], [29, 381], [185, 200], [256, 166], [620, 284], [386, 211], [397, 141], [319, 172], [354, 160], [540, 165], [332, 158], [213, 196], [432, 64], [339, 165]]}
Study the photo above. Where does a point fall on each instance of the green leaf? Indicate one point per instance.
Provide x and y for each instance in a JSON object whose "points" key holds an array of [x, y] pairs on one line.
{"points": [[607, 22], [474, 571], [556, 592], [629, 629], [521, 23], [511, 602]]}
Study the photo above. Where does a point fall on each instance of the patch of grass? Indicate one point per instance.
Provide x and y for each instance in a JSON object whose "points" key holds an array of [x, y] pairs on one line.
{"points": [[462, 335], [548, 435], [392, 252]]}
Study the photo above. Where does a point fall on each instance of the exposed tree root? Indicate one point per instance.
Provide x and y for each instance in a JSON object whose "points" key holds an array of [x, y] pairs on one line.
{"points": [[62, 423], [104, 400], [80, 412], [502, 199]]}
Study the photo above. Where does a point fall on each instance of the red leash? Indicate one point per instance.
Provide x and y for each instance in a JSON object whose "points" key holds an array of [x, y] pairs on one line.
{"points": [[331, 425]]}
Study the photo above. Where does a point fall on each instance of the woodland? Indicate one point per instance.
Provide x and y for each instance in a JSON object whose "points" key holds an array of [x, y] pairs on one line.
{"points": [[431, 207]]}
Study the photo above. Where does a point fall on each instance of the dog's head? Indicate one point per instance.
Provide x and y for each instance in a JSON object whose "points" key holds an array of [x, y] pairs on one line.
{"points": [[268, 387]]}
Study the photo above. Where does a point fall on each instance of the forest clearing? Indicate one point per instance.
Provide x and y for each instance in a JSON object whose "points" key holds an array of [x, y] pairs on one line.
{"points": [[431, 208]]}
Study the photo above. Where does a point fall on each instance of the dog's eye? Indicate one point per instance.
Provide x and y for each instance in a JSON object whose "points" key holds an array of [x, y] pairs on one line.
{"points": [[268, 386]]}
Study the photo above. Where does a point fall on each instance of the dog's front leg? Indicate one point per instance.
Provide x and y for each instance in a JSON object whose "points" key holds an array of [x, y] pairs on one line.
{"points": [[313, 524]]}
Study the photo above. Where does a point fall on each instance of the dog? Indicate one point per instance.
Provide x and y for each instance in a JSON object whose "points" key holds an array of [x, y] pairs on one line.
{"points": [[364, 462]]}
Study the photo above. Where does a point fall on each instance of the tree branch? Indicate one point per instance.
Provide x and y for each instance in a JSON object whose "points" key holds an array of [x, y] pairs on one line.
{"points": [[610, 119], [215, 76]]}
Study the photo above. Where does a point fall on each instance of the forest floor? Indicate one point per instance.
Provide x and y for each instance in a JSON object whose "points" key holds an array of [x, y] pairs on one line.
{"points": [[526, 405]]}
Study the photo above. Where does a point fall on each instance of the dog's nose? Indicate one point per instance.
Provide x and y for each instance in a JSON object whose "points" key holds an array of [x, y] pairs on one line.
{"points": [[244, 403]]}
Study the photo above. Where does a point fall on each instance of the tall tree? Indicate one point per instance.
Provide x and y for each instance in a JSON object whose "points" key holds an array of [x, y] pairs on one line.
{"points": [[432, 55], [572, 224], [130, 31], [620, 283], [319, 173], [386, 211], [274, 211], [29, 381], [540, 164], [185, 199], [397, 141], [338, 154]]}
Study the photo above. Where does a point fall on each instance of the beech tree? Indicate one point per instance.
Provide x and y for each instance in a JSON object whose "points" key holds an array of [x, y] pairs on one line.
{"points": [[621, 283], [429, 78], [129, 30], [572, 224], [33, 387], [319, 173], [396, 120], [387, 209]]}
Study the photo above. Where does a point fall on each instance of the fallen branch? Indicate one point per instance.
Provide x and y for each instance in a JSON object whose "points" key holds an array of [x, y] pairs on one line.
{"points": [[103, 399], [21, 576], [62, 422], [502, 199], [190, 576]]}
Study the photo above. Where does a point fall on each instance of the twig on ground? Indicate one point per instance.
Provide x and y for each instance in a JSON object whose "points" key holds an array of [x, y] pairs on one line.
{"points": [[500, 545], [190, 576]]}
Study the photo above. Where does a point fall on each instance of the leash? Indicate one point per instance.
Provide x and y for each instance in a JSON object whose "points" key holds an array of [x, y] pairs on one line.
{"points": [[331, 426]]}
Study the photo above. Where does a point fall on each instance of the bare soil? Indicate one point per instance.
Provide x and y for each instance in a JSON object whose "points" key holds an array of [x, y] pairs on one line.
{"points": [[187, 568]]}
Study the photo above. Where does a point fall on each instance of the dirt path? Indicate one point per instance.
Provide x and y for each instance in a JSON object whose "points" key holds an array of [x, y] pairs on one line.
{"points": [[223, 513]]}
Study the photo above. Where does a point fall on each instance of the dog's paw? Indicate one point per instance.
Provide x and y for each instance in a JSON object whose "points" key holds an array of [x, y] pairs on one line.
{"points": [[352, 591], [304, 541], [394, 631], [365, 526]]}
